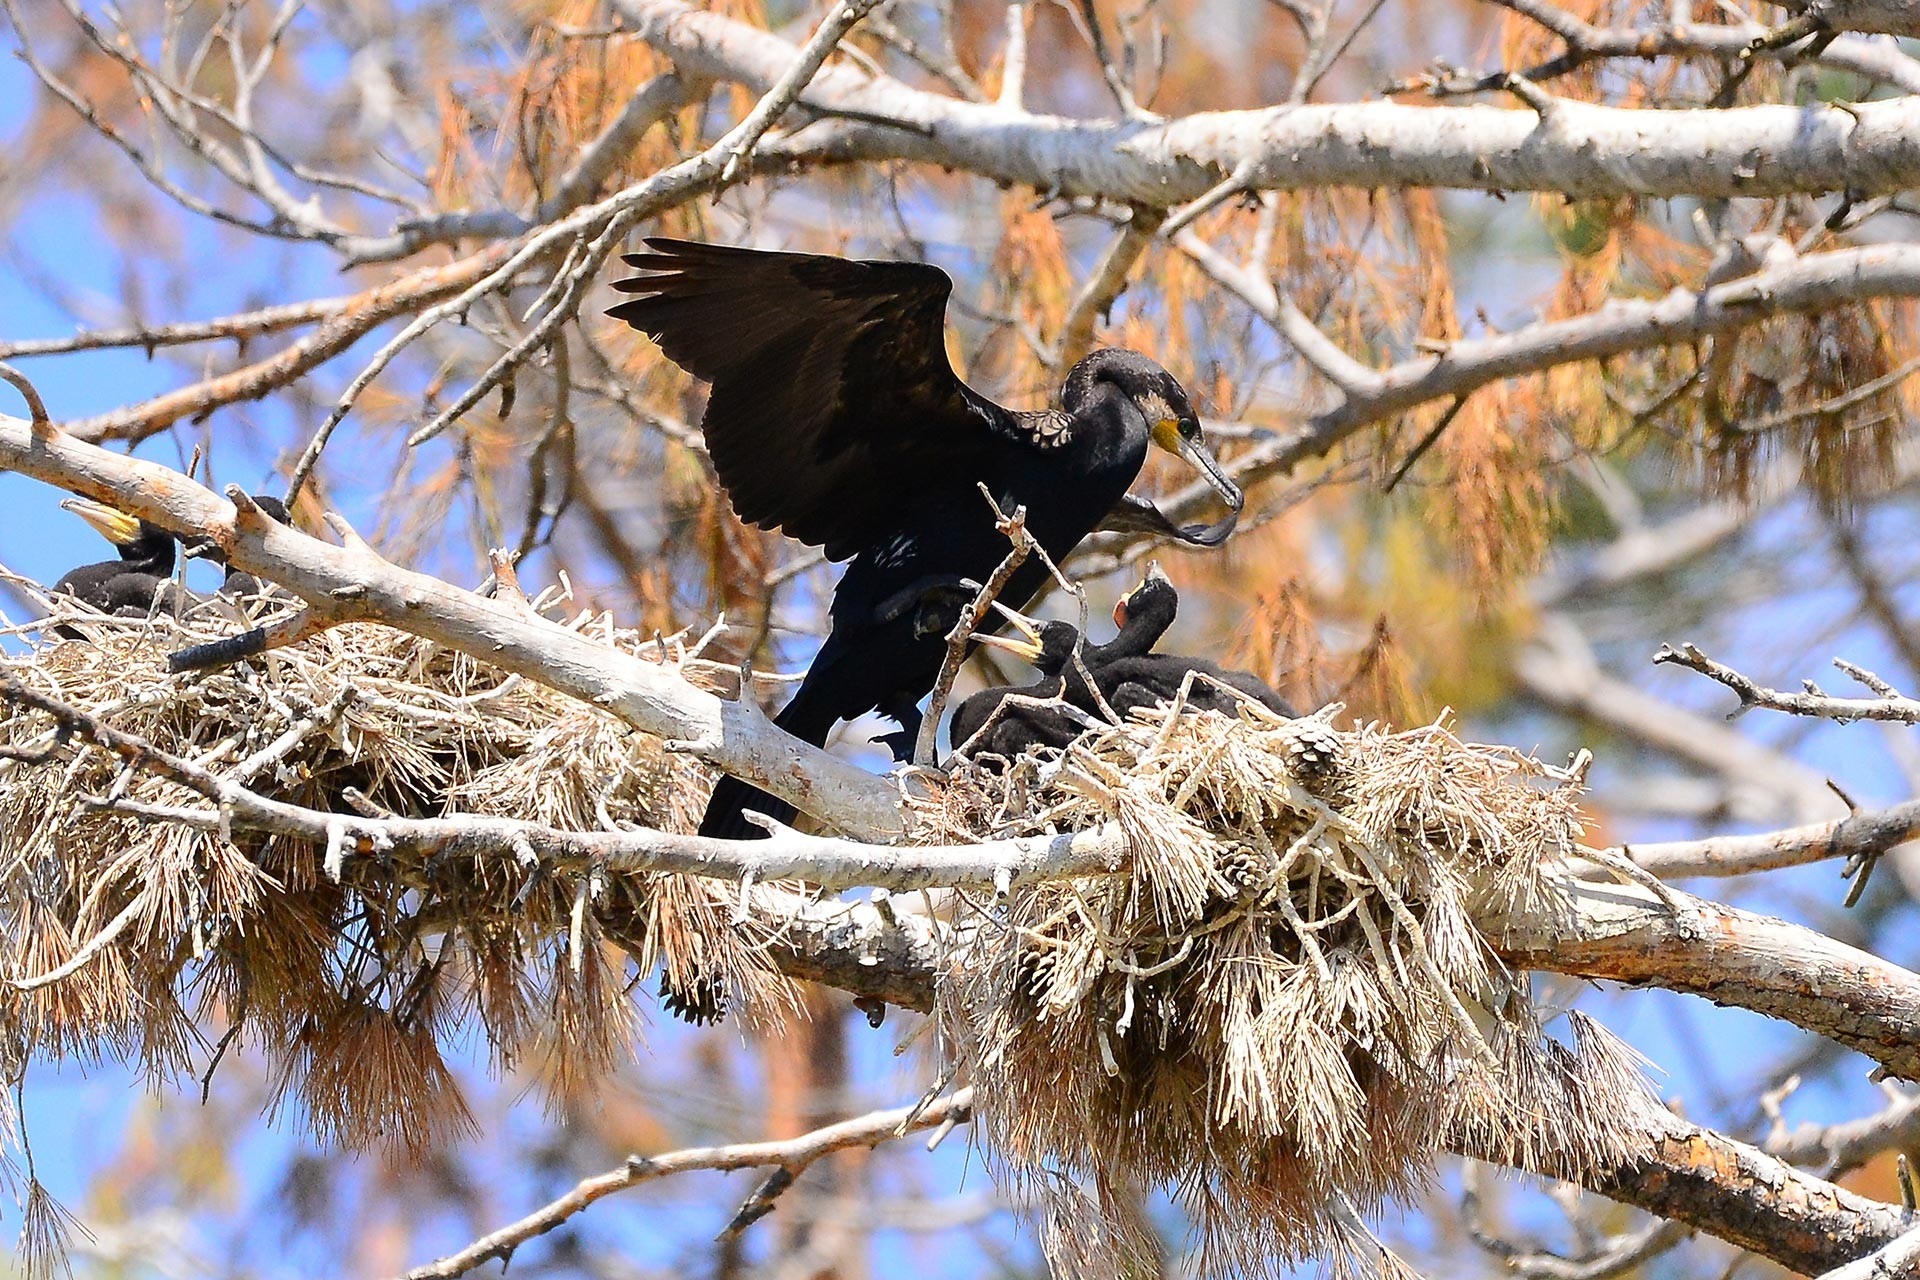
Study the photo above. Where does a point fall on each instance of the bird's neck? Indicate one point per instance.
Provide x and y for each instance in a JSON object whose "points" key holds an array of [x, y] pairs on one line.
{"points": [[1118, 429], [1144, 626], [158, 558]]}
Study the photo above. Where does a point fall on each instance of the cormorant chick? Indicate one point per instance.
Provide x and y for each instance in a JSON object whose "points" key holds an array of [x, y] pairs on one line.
{"points": [[125, 587]]}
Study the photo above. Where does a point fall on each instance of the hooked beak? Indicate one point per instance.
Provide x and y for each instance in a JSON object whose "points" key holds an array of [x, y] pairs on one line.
{"points": [[1027, 649], [1200, 460], [113, 524]]}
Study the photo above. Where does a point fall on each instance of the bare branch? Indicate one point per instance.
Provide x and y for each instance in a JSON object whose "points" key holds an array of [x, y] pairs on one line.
{"points": [[1867, 833], [1889, 705], [1838, 1149], [357, 583], [791, 1155], [28, 392], [1877, 61], [1104, 286], [1591, 150], [239, 327]]}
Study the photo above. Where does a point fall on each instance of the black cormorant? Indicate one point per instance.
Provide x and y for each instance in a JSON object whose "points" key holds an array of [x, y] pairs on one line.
{"points": [[126, 586], [1127, 676], [1142, 617], [836, 417], [1144, 679], [1018, 726]]}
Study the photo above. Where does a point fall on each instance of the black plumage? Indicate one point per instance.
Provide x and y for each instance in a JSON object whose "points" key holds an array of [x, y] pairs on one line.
{"points": [[836, 417], [1142, 617], [238, 582], [1127, 675], [1148, 679], [702, 1002], [126, 586]]}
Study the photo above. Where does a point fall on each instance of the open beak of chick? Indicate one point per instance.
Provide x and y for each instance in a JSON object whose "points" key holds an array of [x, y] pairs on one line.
{"points": [[1153, 574], [114, 525], [1027, 647]]}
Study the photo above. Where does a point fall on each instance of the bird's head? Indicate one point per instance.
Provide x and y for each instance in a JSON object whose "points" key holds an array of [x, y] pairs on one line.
{"points": [[1047, 646], [1154, 597], [1172, 424], [130, 534]]}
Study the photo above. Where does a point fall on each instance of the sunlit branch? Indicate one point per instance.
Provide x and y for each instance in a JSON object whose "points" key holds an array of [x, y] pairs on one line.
{"points": [[354, 582], [792, 1156], [1888, 704], [1591, 151]]}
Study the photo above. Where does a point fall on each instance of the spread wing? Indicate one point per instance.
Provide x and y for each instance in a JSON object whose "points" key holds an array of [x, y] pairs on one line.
{"points": [[833, 406]]}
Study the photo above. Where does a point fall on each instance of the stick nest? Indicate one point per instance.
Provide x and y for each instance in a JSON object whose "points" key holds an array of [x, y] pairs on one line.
{"points": [[1283, 1009], [348, 977]]}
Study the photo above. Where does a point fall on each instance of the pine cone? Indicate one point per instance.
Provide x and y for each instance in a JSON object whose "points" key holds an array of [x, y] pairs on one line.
{"points": [[1314, 751], [1034, 968], [702, 1002], [1243, 867]]}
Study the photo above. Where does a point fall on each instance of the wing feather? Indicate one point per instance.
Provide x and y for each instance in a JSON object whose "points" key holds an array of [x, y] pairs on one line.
{"points": [[833, 403]]}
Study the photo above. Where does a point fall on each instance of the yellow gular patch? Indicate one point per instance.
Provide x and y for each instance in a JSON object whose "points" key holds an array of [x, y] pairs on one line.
{"points": [[1166, 434]]}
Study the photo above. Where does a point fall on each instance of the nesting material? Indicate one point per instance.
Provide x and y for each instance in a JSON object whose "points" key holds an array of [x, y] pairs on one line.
{"points": [[1284, 1010], [348, 977]]}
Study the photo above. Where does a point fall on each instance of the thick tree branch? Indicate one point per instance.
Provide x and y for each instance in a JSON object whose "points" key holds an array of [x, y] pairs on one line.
{"points": [[1623, 933], [355, 583], [1897, 1258], [1583, 150], [1741, 1195]]}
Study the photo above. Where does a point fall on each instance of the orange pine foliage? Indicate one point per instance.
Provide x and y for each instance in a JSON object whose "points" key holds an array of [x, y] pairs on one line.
{"points": [[1279, 641]]}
